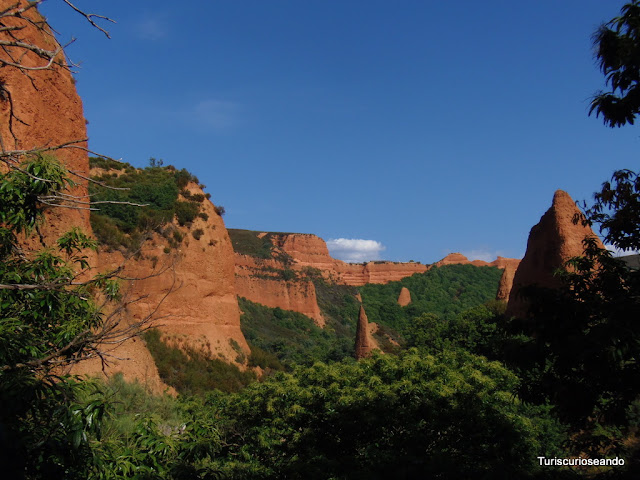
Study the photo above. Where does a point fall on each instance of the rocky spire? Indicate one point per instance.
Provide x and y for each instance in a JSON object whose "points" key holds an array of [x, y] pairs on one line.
{"points": [[364, 342], [553, 241], [506, 282], [404, 298]]}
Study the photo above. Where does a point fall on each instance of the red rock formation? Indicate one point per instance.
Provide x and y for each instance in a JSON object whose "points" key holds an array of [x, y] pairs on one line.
{"points": [[376, 272], [404, 298], [308, 250], [365, 344], [257, 279], [553, 241], [460, 259], [297, 295], [453, 259], [200, 308], [506, 282], [47, 110]]}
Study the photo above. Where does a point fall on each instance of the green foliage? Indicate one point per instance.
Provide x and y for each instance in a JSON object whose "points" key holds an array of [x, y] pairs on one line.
{"points": [[246, 242], [193, 371], [197, 233], [108, 164], [444, 291], [183, 178], [616, 210], [454, 415], [154, 437], [617, 45], [291, 337], [120, 225], [46, 322], [479, 330], [20, 209], [583, 338], [186, 212], [265, 360]]}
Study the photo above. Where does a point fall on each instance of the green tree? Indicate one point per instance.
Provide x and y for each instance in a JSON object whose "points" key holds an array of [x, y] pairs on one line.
{"points": [[451, 415], [47, 321], [583, 345], [617, 45]]}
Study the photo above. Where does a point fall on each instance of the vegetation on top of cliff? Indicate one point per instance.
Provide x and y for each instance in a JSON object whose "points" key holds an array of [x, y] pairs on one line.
{"points": [[160, 189], [247, 242]]}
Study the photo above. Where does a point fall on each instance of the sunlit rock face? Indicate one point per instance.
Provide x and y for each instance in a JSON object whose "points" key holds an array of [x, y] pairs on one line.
{"points": [[41, 108], [553, 241]]}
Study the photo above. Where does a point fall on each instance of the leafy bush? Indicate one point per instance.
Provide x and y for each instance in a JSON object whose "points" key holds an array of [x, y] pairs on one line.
{"points": [[453, 415], [156, 187], [183, 177], [265, 360], [106, 164], [186, 212], [197, 233], [246, 242], [219, 210], [191, 371]]}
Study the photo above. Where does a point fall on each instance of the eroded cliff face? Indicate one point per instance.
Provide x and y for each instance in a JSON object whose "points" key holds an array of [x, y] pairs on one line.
{"points": [[302, 255], [189, 293], [260, 281], [308, 250], [506, 282], [41, 108], [553, 241], [284, 280]]}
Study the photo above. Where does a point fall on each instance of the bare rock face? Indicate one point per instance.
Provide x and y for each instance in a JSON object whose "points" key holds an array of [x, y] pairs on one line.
{"points": [[190, 292], [404, 298], [506, 283], [553, 241], [309, 250], [376, 272], [298, 295], [364, 342], [453, 259], [43, 108]]}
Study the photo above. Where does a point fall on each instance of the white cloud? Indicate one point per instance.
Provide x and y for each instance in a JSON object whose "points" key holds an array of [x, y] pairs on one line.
{"points": [[355, 250], [216, 114]]}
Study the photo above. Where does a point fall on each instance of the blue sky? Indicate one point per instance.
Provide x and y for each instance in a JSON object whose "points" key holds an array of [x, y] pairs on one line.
{"points": [[426, 126]]}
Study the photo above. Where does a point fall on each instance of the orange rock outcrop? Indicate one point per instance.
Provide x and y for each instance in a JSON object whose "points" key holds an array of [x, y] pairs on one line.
{"points": [[41, 108], [506, 282], [190, 293], [365, 344], [553, 241], [257, 280], [404, 298]]}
